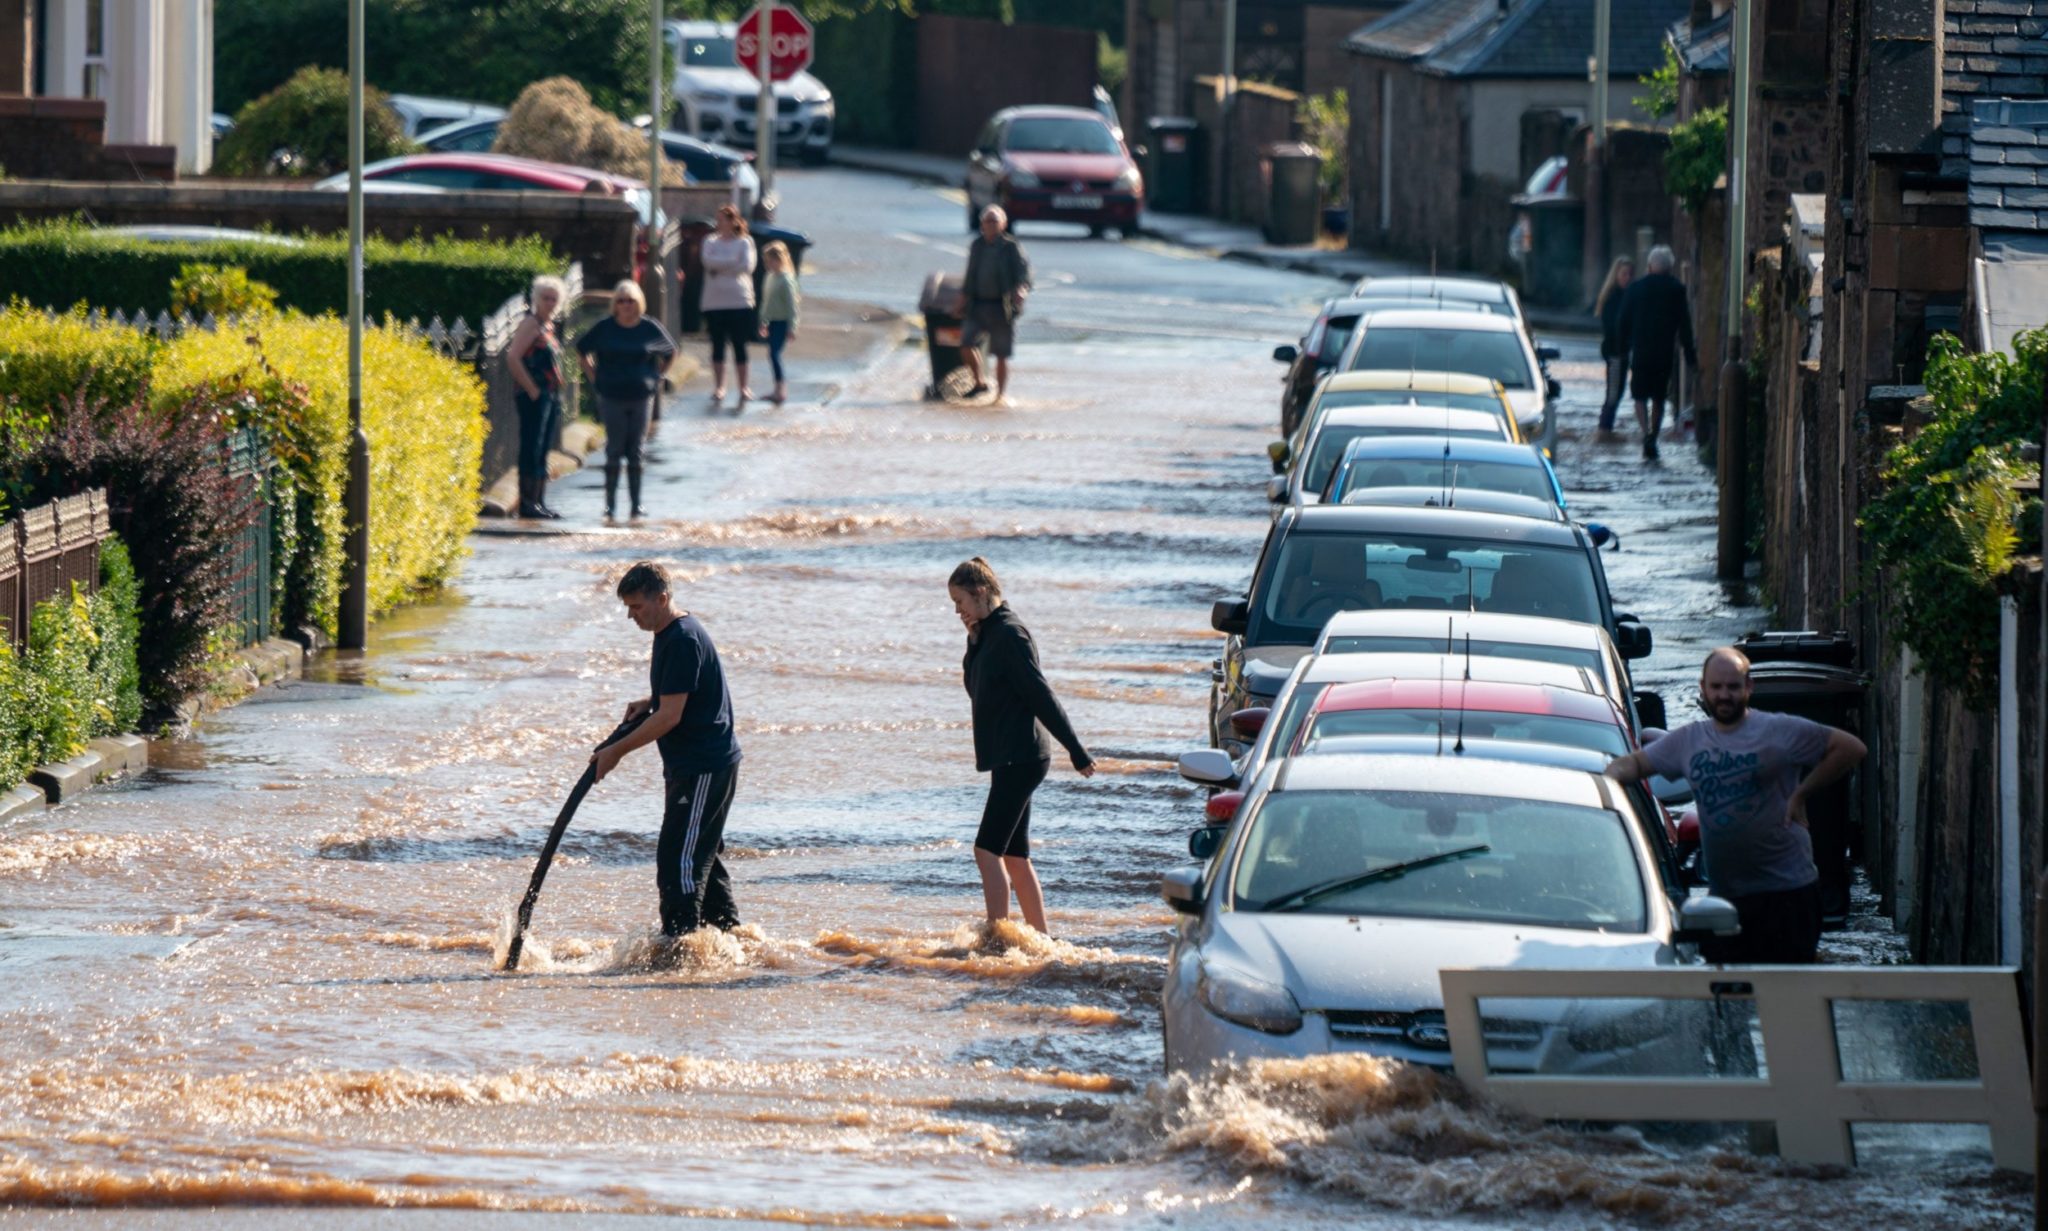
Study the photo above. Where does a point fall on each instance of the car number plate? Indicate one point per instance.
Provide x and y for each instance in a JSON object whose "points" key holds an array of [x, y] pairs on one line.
{"points": [[1070, 202]]}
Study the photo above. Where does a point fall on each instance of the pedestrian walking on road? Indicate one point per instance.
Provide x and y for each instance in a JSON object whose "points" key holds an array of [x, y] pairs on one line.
{"points": [[625, 355], [1655, 323], [782, 300], [728, 303], [998, 279], [1751, 774], [690, 719], [534, 358], [1612, 350], [1014, 710]]}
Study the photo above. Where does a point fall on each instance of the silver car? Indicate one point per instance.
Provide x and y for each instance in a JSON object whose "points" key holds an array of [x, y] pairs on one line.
{"points": [[1322, 918]]}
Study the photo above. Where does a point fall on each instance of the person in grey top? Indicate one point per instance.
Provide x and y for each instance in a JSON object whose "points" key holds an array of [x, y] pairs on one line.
{"points": [[728, 303], [1751, 774], [998, 279]]}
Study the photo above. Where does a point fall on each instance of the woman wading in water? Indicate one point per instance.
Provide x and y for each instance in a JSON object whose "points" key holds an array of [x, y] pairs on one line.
{"points": [[1014, 710]]}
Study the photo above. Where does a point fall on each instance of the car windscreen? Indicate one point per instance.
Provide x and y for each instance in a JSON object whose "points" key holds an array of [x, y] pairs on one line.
{"points": [[1496, 356], [1334, 439], [1471, 857], [1603, 737], [1313, 576], [1336, 399], [709, 53], [1450, 474], [1059, 135], [1565, 655]]}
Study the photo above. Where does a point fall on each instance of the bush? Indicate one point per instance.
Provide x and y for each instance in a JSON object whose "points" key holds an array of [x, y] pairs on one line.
{"points": [[117, 634], [48, 361], [59, 665], [78, 679], [1325, 121], [301, 129], [555, 121], [1697, 157], [60, 264], [201, 290]]}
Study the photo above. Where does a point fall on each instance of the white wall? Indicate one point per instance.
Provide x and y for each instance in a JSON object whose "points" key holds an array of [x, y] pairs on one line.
{"points": [[1497, 108], [159, 71]]}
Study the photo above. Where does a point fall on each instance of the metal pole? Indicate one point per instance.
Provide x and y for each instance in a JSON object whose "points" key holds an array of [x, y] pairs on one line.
{"points": [[1732, 445], [1229, 97], [656, 284], [355, 586], [1603, 29], [2039, 1031], [764, 107]]}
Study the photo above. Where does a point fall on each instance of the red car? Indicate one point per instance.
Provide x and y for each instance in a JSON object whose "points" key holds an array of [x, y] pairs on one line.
{"points": [[1528, 713], [1054, 164]]}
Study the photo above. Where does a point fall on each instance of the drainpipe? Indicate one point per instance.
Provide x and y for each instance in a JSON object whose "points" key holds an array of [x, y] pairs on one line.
{"points": [[1733, 446], [1223, 206], [2009, 875], [1603, 29]]}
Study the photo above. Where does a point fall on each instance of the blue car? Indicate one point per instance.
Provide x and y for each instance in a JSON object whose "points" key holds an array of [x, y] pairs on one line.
{"points": [[1447, 471]]}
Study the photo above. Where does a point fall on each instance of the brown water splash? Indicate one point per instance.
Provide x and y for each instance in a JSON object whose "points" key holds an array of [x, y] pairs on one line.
{"points": [[1007, 950]]}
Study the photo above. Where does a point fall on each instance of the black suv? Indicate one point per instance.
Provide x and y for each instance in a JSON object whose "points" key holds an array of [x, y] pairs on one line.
{"points": [[1322, 559]]}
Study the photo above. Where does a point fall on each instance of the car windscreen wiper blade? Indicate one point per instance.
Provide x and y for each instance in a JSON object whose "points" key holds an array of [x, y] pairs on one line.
{"points": [[1302, 897]]}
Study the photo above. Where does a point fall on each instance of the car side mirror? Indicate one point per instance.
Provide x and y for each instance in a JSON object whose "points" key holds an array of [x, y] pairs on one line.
{"points": [[1276, 489], [1701, 918], [1544, 354], [1231, 615], [1249, 721], [1631, 638], [1279, 452], [1202, 843], [1208, 767], [1600, 536], [1551, 389], [1182, 889], [1285, 354], [1649, 708]]}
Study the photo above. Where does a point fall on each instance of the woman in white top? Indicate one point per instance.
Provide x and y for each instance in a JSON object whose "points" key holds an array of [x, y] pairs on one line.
{"points": [[728, 302]]}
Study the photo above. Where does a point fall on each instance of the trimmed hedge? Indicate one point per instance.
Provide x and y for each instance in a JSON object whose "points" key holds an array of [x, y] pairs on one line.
{"points": [[78, 678], [46, 363], [61, 264]]}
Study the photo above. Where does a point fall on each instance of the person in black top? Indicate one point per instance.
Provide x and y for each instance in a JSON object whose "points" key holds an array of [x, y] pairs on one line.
{"points": [[534, 359], [1014, 709], [1608, 308], [690, 718], [998, 279], [1655, 323], [625, 355]]}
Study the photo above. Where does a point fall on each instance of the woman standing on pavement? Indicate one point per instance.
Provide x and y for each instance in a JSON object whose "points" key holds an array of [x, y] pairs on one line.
{"points": [[781, 301], [1014, 709], [1608, 308], [625, 355], [534, 359], [728, 302]]}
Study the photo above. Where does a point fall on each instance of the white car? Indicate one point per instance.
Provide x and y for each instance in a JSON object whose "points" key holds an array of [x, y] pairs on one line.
{"points": [[420, 114], [1485, 294], [1482, 343], [717, 100], [1320, 922], [1332, 427]]}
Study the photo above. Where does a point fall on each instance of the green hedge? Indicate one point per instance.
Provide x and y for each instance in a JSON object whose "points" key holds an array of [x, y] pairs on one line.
{"points": [[59, 264], [78, 679]]}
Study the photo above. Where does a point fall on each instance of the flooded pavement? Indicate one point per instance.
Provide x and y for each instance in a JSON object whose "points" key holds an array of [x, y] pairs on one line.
{"points": [[265, 974]]}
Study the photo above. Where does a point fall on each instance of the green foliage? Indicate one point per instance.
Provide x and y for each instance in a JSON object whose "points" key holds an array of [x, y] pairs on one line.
{"points": [[59, 264], [1325, 121], [223, 290], [78, 678], [1697, 157], [301, 129], [1949, 518], [117, 629], [1660, 86], [1112, 64], [46, 362], [58, 665], [555, 121]]}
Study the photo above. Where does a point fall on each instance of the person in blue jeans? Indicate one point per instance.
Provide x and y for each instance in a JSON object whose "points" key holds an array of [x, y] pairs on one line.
{"points": [[534, 358], [781, 302]]}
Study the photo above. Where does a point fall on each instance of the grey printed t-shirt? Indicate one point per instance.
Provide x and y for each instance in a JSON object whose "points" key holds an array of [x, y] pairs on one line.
{"points": [[1743, 781]]}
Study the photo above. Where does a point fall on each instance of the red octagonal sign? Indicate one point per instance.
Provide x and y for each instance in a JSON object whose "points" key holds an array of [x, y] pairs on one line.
{"points": [[789, 43]]}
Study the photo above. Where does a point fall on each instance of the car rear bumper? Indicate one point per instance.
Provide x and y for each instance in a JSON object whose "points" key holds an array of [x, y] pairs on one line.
{"points": [[1117, 209]]}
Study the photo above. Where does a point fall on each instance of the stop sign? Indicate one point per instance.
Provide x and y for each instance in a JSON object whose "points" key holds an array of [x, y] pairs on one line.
{"points": [[789, 43]]}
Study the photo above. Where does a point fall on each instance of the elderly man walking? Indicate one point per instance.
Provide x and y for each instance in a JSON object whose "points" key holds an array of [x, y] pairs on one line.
{"points": [[1655, 322], [1752, 774], [998, 279]]}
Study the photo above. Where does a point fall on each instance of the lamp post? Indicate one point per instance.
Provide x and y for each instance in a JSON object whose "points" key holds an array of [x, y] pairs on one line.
{"points": [[1732, 437], [1229, 97], [355, 586], [657, 286], [765, 116]]}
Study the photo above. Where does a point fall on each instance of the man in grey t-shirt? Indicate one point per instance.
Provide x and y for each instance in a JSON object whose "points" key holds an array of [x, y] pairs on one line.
{"points": [[1746, 774]]}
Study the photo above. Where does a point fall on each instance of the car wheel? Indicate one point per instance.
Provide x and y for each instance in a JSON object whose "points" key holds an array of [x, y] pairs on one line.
{"points": [[1097, 231], [815, 155]]}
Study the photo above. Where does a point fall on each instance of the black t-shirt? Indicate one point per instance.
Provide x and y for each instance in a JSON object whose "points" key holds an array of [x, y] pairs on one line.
{"points": [[628, 360], [685, 661]]}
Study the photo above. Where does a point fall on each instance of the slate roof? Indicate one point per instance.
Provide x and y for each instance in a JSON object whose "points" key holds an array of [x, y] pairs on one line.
{"points": [[1990, 49], [1704, 48], [1420, 27], [2009, 164], [1553, 38]]}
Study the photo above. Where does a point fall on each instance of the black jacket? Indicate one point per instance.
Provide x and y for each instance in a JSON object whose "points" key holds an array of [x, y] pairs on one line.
{"points": [[1611, 344], [1013, 705], [1012, 270], [1655, 323]]}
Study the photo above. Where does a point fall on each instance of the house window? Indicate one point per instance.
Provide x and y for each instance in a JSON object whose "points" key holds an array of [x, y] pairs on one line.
{"points": [[95, 49]]}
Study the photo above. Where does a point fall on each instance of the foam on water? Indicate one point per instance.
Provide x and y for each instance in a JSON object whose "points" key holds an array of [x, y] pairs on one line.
{"points": [[1006, 950]]}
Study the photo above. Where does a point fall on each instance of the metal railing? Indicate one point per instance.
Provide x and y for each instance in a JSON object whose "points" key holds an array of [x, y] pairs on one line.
{"points": [[1802, 1088], [251, 470], [43, 551]]}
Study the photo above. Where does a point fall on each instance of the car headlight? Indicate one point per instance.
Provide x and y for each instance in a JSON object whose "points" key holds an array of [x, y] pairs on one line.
{"points": [[1020, 178], [1128, 180], [1237, 997]]}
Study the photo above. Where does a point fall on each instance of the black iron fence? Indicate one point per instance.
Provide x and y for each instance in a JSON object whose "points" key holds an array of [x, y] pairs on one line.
{"points": [[43, 551], [251, 470]]}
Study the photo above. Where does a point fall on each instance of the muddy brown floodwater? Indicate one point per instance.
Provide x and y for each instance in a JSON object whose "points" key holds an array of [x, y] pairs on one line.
{"points": [[265, 974]]}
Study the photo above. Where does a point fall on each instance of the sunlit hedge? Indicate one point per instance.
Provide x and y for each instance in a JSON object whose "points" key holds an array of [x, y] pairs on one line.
{"points": [[77, 680], [46, 361]]}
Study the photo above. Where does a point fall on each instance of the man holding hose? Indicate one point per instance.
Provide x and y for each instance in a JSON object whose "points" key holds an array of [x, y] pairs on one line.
{"points": [[689, 716]]}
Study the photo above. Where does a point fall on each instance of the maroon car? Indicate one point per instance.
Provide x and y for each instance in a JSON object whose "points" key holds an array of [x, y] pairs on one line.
{"points": [[1054, 164]]}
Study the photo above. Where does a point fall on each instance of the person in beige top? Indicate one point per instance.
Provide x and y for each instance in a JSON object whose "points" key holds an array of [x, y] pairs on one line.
{"points": [[728, 302]]}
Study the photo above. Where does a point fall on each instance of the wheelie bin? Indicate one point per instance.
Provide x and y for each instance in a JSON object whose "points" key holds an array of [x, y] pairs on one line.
{"points": [[942, 301]]}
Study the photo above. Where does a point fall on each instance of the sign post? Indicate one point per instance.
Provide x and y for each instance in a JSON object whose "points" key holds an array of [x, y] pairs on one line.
{"points": [[787, 47]]}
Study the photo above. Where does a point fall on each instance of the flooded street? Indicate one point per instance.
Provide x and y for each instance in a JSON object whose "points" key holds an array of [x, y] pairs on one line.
{"points": [[264, 974]]}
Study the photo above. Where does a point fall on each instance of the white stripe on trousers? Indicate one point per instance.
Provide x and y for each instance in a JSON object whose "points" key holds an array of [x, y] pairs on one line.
{"points": [[689, 881]]}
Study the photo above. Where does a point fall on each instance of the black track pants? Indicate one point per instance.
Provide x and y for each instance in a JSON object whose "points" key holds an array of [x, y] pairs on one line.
{"points": [[687, 870]]}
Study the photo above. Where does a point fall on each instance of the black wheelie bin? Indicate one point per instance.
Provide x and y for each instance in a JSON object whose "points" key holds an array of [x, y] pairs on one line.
{"points": [[942, 301]]}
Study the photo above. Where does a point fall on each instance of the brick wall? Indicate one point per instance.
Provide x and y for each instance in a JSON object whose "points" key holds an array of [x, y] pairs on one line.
{"points": [[63, 138], [17, 36], [1427, 215], [1260, 116], [968, 69]]}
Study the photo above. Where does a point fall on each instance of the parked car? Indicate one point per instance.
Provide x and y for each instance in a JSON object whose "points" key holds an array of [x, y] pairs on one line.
{"points": [[221, 123], [1479, 343], [703, 162], [1333, 431], [1450, 466], [1319, 560], [1454, 706], [497, 172], [1105, 106], [1395, 387], [418, 113], [1322, 347], [717, 100], [1054, 164], [1346, 882], [184, 233], [1482, 294], [1493, 635]]}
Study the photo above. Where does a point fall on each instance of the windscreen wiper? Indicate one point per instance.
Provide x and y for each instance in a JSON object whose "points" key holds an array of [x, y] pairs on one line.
{"points": [[1302, 897]]}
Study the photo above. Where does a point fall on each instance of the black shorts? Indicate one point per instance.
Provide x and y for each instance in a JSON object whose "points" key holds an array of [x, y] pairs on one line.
{"points": [[1006, 818], [986, 318], [1778, 929]]}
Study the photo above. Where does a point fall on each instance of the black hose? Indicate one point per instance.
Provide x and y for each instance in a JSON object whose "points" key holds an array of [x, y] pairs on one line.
{"points": [[547, 850]]}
